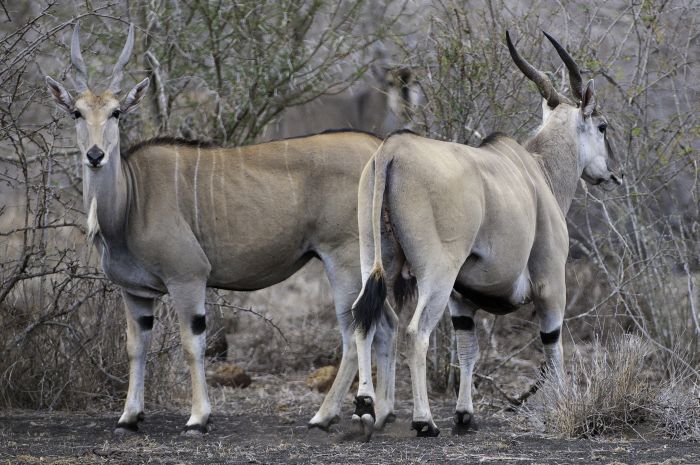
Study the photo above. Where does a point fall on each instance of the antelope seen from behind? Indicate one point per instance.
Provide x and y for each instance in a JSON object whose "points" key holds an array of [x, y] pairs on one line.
{"points": [[488, 221]]}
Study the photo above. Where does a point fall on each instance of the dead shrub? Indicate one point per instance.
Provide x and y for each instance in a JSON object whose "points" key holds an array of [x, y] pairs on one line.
{"points": [[676, 411], [612, 391]]}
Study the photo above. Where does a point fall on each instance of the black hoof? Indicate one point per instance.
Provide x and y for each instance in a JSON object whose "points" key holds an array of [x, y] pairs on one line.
{"points": [[320, 426], [464, 423], [324, 427], [195, 430], [425, 429], [126, 428], [129, 427]]}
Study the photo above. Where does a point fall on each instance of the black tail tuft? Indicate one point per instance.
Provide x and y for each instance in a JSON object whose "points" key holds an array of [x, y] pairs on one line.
{"points": [[369, 308], [404, 290]]}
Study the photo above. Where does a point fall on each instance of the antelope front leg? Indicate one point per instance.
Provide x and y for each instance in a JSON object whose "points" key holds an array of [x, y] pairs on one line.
{"points": [[188, 300], [550, 311], [139, 323]]}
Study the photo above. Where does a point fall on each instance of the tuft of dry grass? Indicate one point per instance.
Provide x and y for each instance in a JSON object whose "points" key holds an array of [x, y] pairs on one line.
{"points": [[610, 391], [676, 411]]}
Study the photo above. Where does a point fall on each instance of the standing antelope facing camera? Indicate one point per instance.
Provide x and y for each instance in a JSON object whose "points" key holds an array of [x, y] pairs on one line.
{"points": [[488, 221], [173, 216]]}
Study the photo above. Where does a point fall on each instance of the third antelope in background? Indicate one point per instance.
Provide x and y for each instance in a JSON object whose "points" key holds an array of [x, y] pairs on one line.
{"points": [[490, 220], [382, 104]]}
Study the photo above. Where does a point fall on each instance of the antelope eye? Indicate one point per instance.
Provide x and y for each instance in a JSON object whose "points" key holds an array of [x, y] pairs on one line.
{"points": [[116, 113], [77, 114], [603, 127]]}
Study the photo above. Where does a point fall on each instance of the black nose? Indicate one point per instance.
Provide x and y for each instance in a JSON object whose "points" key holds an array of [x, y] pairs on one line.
{"points": [[95, 155]]}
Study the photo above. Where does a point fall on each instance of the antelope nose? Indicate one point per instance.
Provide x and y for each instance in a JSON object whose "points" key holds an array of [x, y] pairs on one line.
{"points": [[95, 155]]}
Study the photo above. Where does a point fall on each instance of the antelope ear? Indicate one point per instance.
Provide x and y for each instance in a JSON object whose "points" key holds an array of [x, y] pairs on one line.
{"points": [[588, 103], [60, 95], [134, 96], [546, 111]]}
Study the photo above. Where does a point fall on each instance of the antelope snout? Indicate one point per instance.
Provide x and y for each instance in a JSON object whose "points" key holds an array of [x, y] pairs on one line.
{"points": [[95, 156]]}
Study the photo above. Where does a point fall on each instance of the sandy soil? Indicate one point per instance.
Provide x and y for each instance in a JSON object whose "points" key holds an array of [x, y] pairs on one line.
{"points": [[266, 424]]}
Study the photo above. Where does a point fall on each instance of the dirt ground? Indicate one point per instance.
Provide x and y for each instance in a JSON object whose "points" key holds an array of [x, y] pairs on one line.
{"points": [[266, 424]]}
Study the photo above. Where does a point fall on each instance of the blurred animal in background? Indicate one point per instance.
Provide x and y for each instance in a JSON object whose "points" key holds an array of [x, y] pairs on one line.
{"points": [[488, 220], [381, 104]]}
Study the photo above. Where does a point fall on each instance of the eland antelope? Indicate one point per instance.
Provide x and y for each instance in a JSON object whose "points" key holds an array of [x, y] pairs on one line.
{"points": [[488, 221], [172, 216], [381, 106]]}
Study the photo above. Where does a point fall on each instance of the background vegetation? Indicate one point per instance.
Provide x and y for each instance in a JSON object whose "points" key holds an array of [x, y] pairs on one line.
{"points": [[223, 71]]}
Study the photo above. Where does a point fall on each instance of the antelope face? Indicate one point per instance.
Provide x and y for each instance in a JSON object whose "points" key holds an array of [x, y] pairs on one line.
{"points": [[97, 127], [595, 153], [97, 116], [402, 90], [399, 85], [96, 119]]}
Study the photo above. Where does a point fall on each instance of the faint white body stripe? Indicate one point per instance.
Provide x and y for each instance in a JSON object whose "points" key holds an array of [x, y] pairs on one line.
{"points": [[196, 198]]}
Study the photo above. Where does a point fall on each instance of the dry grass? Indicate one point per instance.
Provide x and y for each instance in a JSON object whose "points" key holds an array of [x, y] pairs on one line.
{"points": [[611, 391], [676, 411], [63, 355]]}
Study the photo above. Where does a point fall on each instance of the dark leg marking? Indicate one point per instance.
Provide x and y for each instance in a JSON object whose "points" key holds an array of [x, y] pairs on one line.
{"points": [[551, 337], [364, 405], [199, 324], [145, 322], [464, 323]]}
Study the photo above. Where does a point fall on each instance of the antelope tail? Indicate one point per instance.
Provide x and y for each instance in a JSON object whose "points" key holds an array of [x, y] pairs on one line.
{"points": [[368, 308]]}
